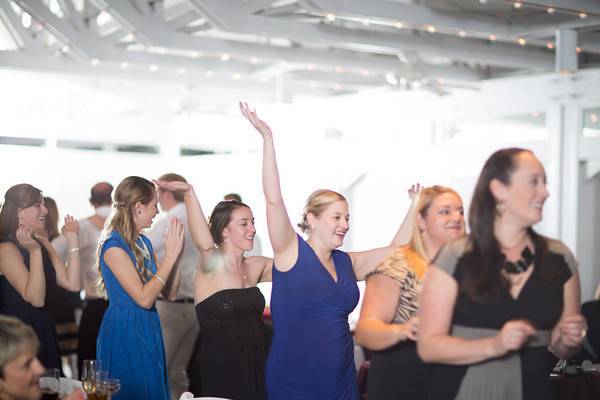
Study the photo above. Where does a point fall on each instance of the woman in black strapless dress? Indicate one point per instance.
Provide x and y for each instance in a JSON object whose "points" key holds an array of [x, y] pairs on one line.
{"points": [[230, 357]]}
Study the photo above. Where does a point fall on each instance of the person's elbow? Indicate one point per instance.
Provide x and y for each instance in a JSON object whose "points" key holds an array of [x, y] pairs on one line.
{"points": [[146, 302], [424, 350], [35, 301]]}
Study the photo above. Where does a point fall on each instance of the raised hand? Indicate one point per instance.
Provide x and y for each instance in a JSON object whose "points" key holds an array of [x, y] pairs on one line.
{"points": [[25, 238], [414, 191], [512, 336], [260, 125], [71, 228], [572, 330], [174, 186], [174, 239]]}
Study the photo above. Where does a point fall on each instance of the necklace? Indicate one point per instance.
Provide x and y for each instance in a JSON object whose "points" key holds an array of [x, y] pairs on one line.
{"points": [[144, 250], [242, 273], [520, 265]]}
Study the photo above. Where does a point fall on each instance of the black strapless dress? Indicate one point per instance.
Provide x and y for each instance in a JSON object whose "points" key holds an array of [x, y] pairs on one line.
{"points": [[230, 356]]}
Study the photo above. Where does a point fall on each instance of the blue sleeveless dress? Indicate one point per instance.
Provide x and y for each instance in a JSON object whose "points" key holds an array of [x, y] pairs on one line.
{"points": [[130, 343], [311, 355]]}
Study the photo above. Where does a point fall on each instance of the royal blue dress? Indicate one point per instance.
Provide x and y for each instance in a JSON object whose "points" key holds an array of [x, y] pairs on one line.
{"points": [[312, 355], [130, 343]]}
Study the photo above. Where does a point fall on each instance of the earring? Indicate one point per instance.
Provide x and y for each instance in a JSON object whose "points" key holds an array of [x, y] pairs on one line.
{"points": [[500, 207], [312, 227]]}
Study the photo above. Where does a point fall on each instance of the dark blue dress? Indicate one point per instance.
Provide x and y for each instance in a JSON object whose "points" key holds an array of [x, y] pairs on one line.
{"points": [[130, 343], [311, 355]]}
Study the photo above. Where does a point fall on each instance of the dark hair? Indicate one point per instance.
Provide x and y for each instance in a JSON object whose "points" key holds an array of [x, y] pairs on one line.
{"points": [[171, 177], [101, 194], [232, 196], [19, 196], [51, 224], [484, 271], [220, 218]]}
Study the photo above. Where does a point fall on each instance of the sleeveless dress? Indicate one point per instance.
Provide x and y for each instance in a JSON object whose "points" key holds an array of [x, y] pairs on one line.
{"points": [[312, 354], [398, 372], [231, 358], [130, 343], [522, 374], [11, 303]]}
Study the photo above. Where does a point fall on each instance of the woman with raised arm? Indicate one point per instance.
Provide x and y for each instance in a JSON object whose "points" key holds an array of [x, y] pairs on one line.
{"points": [[314, 290], [29, 265], [130, 343], [496, 301], [230, 362], [388, 321]]}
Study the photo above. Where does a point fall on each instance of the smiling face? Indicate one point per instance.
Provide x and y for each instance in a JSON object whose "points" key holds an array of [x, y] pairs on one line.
{"points": [[34, 216], [240, 230], [21, 377], [444, 219], [524, 196], [145, 213], [331, 225]]}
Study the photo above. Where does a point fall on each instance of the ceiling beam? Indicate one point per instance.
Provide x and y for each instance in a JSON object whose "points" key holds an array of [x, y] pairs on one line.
{"points": [[470, 50], [22, 36], [589, 6], [80, 42], [71, 13]]}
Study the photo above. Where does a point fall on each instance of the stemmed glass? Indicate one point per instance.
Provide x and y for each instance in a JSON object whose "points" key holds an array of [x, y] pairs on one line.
{"points": [[88, 375]]}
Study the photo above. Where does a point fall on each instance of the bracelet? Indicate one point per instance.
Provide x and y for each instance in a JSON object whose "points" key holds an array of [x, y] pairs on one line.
{"points": [[73, 249], [160, 280]]}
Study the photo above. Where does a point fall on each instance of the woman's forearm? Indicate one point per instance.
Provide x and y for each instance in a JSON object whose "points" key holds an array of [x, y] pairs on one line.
{"points": [[35, 288], [445, 349], [270, 174], [377, 335]]}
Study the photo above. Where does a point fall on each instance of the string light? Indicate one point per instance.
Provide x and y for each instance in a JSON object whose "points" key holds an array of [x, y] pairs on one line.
{"points": [[550, 10], [522, 41], [153, 68], [550, 45], [94, 62], [594, 118], [225, 57], [330, 17], [578, 50], [431, 29], [236, 76], [492, 38], [398, 25], [253, 60], [181, 71], [365, 72], [462, 34], [518, 5], [339, 69], [124, 65], [582, 15]]}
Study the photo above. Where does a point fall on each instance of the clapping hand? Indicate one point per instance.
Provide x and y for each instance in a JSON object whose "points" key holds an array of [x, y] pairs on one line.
{"points": [[174, 239], [512, 336], [260, 125], [71, 228], [572, 330], [25, 238]]}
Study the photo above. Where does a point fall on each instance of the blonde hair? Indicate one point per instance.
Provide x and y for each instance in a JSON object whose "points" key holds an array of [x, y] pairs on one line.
{"points": [[424, 201], [15, 337], [131, 190], [316, 203]]}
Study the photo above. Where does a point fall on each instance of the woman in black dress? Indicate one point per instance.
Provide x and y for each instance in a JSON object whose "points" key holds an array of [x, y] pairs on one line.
{"points": [[29, 265], [230, 360], [493, 303]]}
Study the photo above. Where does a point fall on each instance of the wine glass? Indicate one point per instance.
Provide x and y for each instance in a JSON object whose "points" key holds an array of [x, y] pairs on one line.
{"points": [[112, 386], [88, 374]]}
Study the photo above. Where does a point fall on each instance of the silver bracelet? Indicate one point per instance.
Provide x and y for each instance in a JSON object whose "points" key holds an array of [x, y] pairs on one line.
{"points": [[73, 249], [160, 280]]}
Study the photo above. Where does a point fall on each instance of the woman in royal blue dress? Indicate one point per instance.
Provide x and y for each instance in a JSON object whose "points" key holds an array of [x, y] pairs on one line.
{"points": [[130, 343], [314, 290]]}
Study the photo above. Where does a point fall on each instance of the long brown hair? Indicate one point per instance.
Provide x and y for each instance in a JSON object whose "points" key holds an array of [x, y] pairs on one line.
{"points": [[483, 278], [51, 224], [17, 197], [220, 218], [131, 190]]}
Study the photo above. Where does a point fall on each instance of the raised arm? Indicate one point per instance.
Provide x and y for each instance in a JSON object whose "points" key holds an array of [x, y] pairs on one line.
{"points": [[405, 230], [435, 343], [281, 232], [29, 283], [67, 276], [197, 222], [145, 294]]}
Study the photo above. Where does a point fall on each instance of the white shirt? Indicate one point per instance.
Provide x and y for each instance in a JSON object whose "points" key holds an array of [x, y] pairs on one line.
{"points": [[88, 245], [190, 257]]}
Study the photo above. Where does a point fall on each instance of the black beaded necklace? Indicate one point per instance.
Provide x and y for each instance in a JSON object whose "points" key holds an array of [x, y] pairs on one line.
{"points": [[521, 265]]}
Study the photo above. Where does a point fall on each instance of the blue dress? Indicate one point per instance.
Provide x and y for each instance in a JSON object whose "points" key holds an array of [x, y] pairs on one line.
{"points": [[311, 355], [130, 343]]}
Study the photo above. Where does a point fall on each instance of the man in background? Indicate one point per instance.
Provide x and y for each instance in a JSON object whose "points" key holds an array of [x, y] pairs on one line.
{"points": [[177, 318]]}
